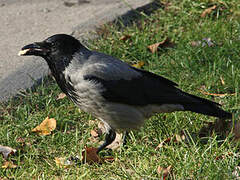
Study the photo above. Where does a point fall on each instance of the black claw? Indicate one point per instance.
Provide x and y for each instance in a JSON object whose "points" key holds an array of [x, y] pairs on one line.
{"points": [[110, 137]]}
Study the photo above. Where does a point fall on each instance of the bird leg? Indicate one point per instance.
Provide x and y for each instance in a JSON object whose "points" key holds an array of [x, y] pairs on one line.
{"points": [[125, 137], [109, 138]]}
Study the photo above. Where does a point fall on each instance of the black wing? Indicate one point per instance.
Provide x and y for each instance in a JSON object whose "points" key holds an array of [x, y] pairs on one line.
{"points": [[146, 89]]}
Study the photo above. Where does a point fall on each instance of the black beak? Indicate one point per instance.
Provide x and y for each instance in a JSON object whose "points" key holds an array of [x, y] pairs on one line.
{"points": [[36, 49]]}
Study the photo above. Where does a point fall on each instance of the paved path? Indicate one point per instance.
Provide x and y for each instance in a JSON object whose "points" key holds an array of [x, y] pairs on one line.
{"points": [[26, 21]]}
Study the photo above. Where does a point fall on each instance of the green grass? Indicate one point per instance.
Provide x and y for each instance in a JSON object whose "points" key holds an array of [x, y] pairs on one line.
{"points": [[193, 68]]}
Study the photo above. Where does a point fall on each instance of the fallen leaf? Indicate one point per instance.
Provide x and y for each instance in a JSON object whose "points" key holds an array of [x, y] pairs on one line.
{"points": [[208, 11], [20, 140], [63, 162], [8, 164], [163, 142], [90, 155], [219, 95], [94, 134], [138, 64], [163, 44], [61, 96], [6, 151], [195, 43], [180, 138], [222, 80], [164, 171], [176, 139], [46, 127], [125, 37]]}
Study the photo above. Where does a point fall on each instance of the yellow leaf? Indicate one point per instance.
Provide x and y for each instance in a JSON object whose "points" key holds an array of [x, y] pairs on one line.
{"points": [[63, 162], [8, 164], [45, 127], [138, 65]]}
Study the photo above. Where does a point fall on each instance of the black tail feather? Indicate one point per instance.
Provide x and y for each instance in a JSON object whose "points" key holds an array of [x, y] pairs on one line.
{"points": [[210, 110], [207, 107]]}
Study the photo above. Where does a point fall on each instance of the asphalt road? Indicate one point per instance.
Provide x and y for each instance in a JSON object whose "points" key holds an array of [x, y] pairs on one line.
{"points": [[27, 21]]}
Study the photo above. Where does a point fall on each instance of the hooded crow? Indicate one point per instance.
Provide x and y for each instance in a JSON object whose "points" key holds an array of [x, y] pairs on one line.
{"points": [[111, 90]]}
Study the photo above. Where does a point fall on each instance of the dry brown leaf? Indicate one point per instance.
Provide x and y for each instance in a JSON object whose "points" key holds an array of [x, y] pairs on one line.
{"points": [[6, 151], [180, 138], [20, 140], [139, 64], [219, 95], [176, 139], [208, 11], [94, 134], [46, 127], [163, 142], [222, 80], [164, 171], [90, 155], [61, 96], [63, 162], [163, 44], [8, 164], [125, 37], [195, 43]]}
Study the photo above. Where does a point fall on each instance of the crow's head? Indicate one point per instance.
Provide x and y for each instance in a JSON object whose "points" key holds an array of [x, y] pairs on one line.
{"points": [[55, 46]]}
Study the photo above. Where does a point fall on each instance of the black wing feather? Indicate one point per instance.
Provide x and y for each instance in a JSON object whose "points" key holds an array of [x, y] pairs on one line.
{"points": [[146, 89]]}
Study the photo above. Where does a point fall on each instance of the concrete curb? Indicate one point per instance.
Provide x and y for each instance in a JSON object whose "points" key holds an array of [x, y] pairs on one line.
{"points": [[33, 69]]}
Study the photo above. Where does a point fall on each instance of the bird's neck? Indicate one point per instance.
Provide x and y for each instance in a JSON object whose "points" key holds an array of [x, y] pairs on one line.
{"points": [[57, 68]]}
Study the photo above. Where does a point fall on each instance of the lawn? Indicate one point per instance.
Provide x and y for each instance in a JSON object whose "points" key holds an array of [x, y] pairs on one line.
{"points": [[201, 55]]}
